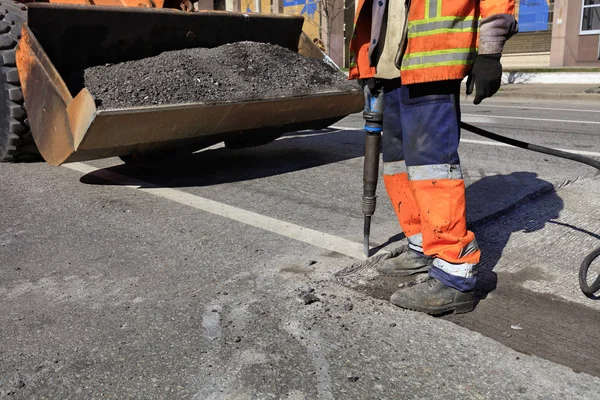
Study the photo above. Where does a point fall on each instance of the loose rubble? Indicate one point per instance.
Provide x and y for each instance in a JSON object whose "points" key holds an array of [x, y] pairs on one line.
{"points": [[241, 71], [308, 296]]}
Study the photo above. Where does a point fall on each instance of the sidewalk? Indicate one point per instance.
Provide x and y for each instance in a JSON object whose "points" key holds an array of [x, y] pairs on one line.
{"points": [[559, 85]]}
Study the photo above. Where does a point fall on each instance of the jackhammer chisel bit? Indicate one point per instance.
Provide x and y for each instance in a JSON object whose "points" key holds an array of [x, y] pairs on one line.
{"points": [[371, 172], [373, 115]]}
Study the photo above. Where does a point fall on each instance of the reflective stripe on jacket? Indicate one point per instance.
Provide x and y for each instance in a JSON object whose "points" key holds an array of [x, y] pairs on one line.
{"points": [[442, 38]]}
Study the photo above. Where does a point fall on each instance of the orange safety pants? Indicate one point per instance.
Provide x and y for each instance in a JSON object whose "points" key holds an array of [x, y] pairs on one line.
{"points": [[423, 178]]}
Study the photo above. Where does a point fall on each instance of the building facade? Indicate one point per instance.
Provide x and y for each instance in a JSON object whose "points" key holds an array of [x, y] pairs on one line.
{"points": [[323, 19], [555, 34], [552, 33], [576, 34]]}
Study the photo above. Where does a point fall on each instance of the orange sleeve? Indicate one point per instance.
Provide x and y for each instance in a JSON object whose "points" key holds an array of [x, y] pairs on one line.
{"points": [[493, 7], [360, 67], [497, 25]]}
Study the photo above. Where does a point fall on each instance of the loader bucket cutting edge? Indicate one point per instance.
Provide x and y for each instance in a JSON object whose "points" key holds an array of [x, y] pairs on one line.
{"points": [[68, 127]]}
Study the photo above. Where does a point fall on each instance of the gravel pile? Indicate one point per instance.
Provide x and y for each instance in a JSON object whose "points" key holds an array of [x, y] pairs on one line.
{"points": [[239, 71]]}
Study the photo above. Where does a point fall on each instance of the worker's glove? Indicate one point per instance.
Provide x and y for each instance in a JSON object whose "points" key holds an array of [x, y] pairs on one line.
{"points": [[486, 75]]}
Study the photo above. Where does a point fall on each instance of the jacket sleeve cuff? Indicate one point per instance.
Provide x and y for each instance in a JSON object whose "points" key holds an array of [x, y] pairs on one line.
{"points": [[494, 31]]}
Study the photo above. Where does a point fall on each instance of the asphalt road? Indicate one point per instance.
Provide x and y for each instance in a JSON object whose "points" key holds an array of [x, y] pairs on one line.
{"points": [[180, 279]]}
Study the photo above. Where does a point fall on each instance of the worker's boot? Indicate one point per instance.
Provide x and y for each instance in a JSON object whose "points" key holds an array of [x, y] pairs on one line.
{"points": [[433, 297], [408, 262]]}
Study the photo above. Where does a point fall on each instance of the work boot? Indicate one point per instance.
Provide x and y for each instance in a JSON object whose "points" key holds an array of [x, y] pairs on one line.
{"points": [[409, 262], [433, 297]]}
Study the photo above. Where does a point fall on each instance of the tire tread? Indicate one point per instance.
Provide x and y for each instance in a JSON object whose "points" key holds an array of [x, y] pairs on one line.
{"points": [[16, 140]]}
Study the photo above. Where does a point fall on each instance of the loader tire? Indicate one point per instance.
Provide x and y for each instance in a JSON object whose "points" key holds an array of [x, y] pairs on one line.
{"points": [[16, 141]]}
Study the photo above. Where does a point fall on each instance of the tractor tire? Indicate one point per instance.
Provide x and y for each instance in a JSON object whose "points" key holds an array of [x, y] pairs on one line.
{"points": [[16, 141]]}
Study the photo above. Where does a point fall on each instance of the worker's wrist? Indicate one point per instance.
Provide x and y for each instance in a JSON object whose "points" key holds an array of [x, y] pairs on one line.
{"points": [[489, 58], [494, 31], [488, 46]]}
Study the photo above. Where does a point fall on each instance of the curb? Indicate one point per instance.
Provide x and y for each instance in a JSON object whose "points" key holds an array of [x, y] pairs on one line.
{"points": [[554, 78], [549, 95]]}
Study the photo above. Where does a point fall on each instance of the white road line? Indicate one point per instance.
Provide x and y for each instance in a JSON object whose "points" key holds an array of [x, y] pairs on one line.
{"points": [[287, 229], [345, 128], [492, 117], [291, 135], [530, 108], [478, 119], [490, 143], [285, 136]]}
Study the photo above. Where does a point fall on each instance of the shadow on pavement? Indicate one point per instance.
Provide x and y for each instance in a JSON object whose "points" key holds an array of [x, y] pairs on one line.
{"points": [[541, 324], [494, 197], [294, 152]]}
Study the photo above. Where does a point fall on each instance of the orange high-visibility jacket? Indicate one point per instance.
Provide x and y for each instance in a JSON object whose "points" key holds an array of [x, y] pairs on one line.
{"points": [[442, 38]]}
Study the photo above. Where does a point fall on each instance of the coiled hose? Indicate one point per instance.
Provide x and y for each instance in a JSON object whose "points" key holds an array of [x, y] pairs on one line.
{"points": [[587, 289]]}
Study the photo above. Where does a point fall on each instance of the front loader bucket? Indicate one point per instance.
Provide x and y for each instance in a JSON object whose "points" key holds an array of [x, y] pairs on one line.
{"points": [[59, 39]]}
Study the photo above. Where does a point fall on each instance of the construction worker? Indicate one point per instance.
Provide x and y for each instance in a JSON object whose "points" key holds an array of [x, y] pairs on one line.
{"points": [[417, 53]]}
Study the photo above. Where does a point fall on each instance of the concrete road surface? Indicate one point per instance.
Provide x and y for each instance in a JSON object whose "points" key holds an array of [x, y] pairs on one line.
{"points": [[181, 279]]}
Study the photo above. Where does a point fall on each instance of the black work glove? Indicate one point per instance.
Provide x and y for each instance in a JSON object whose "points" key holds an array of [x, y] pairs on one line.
{"points": [[486, 75]]}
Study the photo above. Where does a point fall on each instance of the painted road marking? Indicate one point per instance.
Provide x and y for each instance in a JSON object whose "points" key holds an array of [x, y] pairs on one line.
{"points": [[283, 228], [284, 136], [490, 143], [323, 132], [471, 117], [525, 108]]}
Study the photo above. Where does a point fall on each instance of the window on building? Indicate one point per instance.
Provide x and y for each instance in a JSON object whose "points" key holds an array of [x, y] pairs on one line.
{"points": [[590, 17], [550, 13]]}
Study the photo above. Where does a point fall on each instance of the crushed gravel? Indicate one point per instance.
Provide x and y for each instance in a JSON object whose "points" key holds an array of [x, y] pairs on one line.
{"points": [[239, 71]]}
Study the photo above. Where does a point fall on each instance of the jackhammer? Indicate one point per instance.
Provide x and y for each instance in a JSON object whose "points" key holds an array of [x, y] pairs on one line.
{"points": [[373, 116]]}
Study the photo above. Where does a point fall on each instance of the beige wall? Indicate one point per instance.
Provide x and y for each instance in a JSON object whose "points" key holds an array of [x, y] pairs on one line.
{"points": [[265, 6], [337, 33], [312, 25], [588, 48], [569, 48], [315, 26], [204, 5], [232, 5]]}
